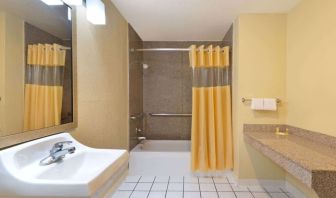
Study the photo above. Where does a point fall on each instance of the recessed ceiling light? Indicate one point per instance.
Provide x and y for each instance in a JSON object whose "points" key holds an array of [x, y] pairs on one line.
{"points": [[95, 12], [52, 2], [74, 2]]}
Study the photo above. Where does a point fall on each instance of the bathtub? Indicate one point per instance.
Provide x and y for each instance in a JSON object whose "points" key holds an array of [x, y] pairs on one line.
{"points": [[161, 158]]}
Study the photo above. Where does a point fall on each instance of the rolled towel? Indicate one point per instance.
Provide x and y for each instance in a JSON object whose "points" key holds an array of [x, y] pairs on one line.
{"points": [[257, 104], [270, 104]]}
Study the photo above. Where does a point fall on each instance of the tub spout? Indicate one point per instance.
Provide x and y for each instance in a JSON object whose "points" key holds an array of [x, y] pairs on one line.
{"points": [[141, 138]]}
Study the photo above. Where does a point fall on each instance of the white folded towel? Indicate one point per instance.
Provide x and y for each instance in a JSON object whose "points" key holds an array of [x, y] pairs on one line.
{"points": [[270, 104], [257, 103]]}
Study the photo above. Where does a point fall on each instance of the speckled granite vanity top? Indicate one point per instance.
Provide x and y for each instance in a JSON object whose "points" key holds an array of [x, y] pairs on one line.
{"points": [[309, 156]]}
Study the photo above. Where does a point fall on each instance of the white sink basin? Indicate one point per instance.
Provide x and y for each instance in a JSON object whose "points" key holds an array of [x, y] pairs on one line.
{"points": [[86, 173]]}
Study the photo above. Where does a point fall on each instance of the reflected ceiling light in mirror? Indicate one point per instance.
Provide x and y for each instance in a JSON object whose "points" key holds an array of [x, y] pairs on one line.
{"points": [[52, 2], [73, 2], [95, 12], [69, 14]]}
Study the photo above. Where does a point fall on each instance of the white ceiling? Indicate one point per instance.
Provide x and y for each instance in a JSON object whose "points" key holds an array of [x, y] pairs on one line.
{"points": [[192, 20]]}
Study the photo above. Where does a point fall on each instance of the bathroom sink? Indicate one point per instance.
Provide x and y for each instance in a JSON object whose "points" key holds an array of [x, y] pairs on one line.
{"points": [[86, 173]]}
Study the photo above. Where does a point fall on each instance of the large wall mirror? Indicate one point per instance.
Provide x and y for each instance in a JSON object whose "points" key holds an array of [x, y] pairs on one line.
{"points": [[37, 81]]}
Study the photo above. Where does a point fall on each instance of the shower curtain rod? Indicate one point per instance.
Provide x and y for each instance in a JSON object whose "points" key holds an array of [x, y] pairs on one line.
{"points": [[163, 49], [160, 49]]}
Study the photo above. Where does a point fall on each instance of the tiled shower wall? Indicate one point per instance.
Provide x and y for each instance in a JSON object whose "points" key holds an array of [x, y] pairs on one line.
{"points": [[135, 85], [167, 88], [164, 87]]}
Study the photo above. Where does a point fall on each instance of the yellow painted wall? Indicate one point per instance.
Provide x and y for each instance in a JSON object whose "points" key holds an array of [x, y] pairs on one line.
{"points": [[2, 67], [12, 74], [311, 69], [258, 71], [102, 80], [311, 66]]}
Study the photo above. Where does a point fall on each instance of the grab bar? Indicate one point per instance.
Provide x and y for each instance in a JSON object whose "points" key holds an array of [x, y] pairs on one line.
{"points": [[170, 114]]}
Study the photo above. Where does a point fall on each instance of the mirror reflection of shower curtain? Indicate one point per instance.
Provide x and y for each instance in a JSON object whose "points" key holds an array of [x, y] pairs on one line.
{"points": [[211, 136], [44, 86]]}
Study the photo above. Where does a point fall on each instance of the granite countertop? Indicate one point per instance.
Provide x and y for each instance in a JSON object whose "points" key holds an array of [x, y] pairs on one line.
{"points": [[310, 160]]}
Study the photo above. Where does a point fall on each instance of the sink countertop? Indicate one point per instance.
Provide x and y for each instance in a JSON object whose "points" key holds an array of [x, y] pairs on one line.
{"points": [[311, 161]]}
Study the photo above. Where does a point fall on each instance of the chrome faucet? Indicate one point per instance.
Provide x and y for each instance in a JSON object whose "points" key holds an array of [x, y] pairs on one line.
{"points": [[141, 138], [57, 153]]}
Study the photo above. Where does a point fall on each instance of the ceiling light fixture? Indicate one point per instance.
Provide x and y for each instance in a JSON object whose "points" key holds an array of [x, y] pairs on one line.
{"points": [[73, 2], [52, 2], [95, 12]]}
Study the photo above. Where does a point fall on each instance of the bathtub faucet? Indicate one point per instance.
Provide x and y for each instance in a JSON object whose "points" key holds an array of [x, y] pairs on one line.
{"points": [[141, 138]]}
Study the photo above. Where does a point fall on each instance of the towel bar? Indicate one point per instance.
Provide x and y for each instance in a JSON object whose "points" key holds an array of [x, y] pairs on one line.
{"points": [[249, 100]]}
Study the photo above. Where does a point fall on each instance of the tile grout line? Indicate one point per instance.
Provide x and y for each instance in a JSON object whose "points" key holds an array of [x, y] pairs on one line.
{"points": [[135, 187], [284, 192], [199, 187], [150, 189], [215, 186], [231, 186], [167, 187], [250, 192], [183, 186]]}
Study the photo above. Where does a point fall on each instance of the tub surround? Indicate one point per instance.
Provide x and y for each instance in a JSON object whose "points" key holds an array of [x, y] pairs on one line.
{"points": [[308, 155], [167, 88]]}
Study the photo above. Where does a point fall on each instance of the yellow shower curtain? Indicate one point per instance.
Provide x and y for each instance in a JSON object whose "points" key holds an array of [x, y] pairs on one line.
{"points": [[211, 137], [43, 86]]}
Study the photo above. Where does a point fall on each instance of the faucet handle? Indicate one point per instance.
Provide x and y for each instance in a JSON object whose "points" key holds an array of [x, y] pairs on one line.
{"points": [[59, 146]]}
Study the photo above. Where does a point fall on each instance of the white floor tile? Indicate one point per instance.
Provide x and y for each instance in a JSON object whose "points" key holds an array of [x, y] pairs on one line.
{"points": [[231, 180], [223, 187], [192, 195], [272, 189], [175, 187], [191, 187], [290, 195], [176, 179], [207, 180], [143, 186], [191, 180], [139, 194], [209, 194], [226, 195], [122, 194], [159, 186], [132, 179], [208, 187], [157, 194], [243, 195], [161, 179], [239, 188], [127, 186], [285, 190], [256, 188], [261, 195], [147, 179], [278, 195], [220, 180], [174, 195]]}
